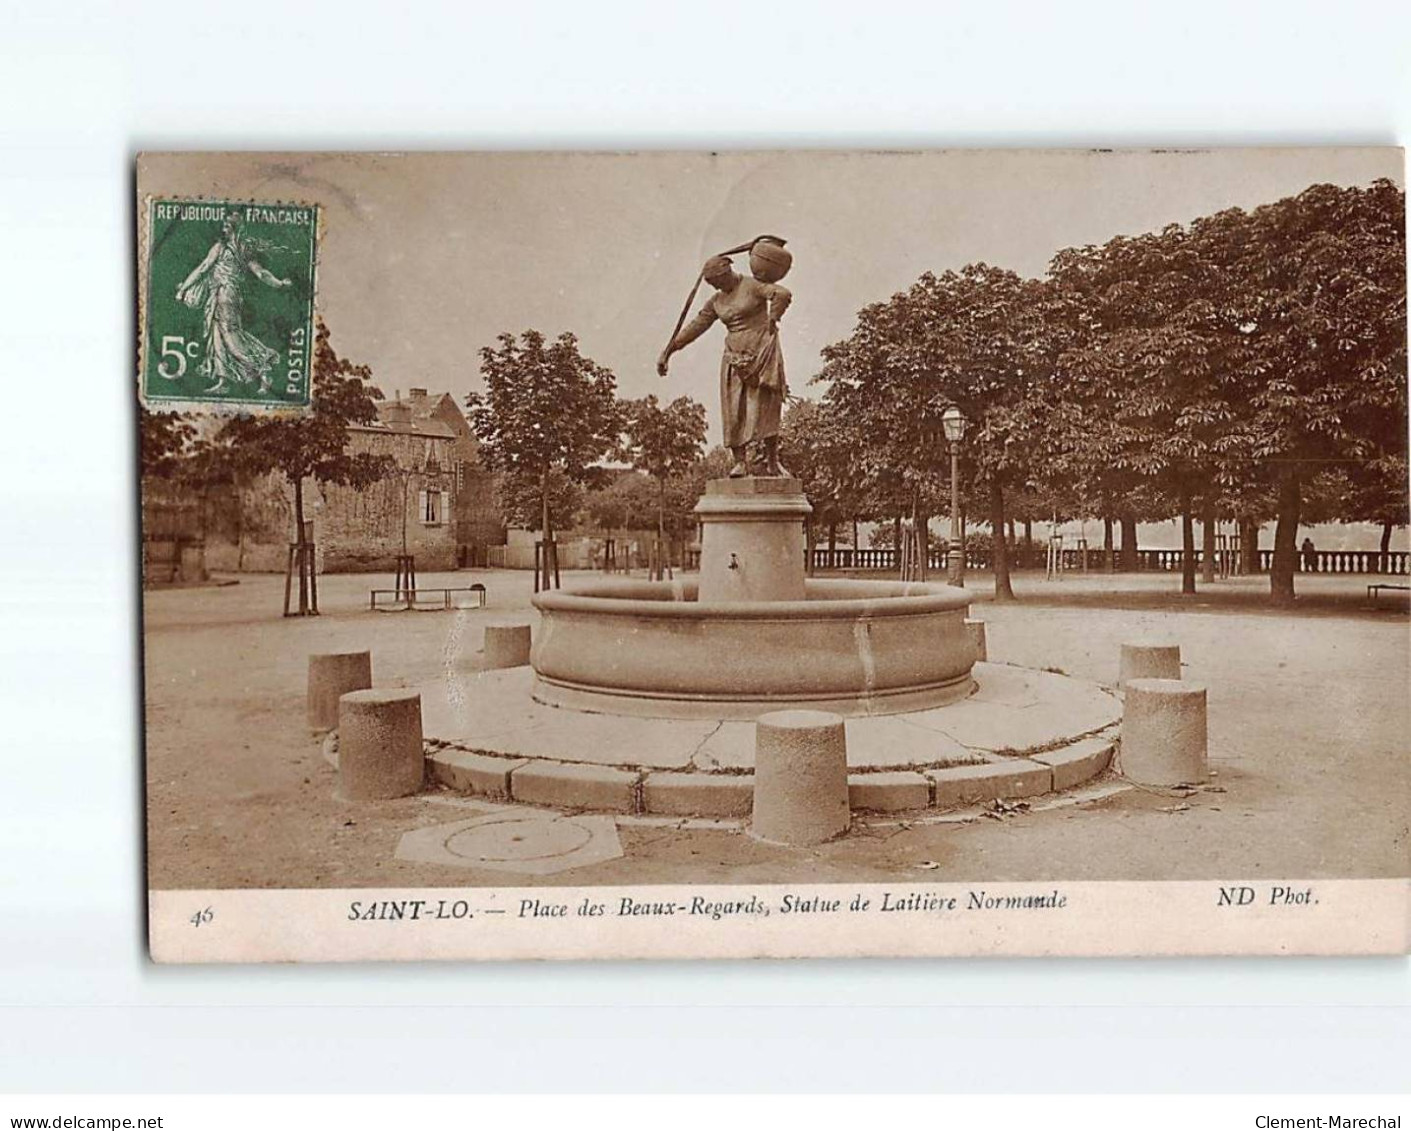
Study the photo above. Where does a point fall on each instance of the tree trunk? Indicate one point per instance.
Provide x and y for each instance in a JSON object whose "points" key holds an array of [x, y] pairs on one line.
{"points": [[1286, 537], [298, 510], [896, 542], [239, 498], [1108, 552], [1208, 522], [1187, 544], [661, 554], [1384, 564], [406, 486], [301, 553], [1004, 589], [544, 502], [922, 522], [963, 554], [1249, 545], [1128, 562], [544, 536]]}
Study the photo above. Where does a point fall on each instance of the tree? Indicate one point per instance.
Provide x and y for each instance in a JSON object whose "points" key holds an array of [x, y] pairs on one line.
{"points": [[663, 442], [629, 502], [976, 338], [1241, 356], [1321, 297], [1150, 343], [816, 452], [312, 446], [521, 500], [1375, 491], [546, 411], [165, 441]]}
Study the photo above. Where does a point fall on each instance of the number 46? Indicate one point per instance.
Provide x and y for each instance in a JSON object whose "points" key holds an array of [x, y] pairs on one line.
{"points": [[180, 349]]}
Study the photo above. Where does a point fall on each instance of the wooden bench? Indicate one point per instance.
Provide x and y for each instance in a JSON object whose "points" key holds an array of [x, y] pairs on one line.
{"points": [[1374, 590], [428, 600]]}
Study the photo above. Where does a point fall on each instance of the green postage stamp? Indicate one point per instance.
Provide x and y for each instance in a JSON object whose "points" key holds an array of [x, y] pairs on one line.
{"points": [[228, 303]]}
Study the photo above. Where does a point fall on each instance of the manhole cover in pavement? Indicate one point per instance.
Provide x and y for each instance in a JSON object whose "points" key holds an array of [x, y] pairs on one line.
{"points": [[530, 838], [538, 844]]}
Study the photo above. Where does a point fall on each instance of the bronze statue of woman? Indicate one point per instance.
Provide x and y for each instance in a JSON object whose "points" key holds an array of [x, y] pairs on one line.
{"points": [[752, 383]]}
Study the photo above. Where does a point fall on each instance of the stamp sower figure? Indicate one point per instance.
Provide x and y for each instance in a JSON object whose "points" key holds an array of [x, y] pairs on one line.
{"points": [[231, 352], [752, 385]]}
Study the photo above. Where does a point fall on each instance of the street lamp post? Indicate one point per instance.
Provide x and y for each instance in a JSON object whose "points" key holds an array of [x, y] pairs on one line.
{"points": [[953, 422]]}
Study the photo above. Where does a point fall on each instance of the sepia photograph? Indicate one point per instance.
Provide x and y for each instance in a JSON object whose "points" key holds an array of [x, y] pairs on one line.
{"points": [[814, 564], [787, 552]]}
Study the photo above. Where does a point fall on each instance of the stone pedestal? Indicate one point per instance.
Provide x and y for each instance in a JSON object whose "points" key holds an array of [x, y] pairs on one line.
{"points": [[1148, 659], [332, 675], [800, 778], [506, 645], [380, 753], [976, 629], [1164, 732], [752, 540]]}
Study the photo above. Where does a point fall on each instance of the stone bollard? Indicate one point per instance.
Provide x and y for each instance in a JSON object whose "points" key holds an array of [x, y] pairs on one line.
{"points": [[976, 629], [331, 675], [506, 645], [380, 751], [800, 778], [1163, 732], [1149, 659]]}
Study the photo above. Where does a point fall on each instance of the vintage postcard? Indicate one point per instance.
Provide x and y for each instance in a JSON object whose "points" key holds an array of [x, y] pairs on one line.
{"points": [[774, 554]]}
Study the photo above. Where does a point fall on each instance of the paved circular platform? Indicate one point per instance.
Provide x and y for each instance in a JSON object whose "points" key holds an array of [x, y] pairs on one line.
{"points": [[1021, 733]]}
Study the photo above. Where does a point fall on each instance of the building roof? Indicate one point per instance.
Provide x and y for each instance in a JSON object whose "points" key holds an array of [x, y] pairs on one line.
{"points": [[432, 429], [412, 417]]}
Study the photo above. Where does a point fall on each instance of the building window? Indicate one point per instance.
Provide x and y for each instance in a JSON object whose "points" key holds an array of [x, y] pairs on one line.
{"points": [[431, 508]]}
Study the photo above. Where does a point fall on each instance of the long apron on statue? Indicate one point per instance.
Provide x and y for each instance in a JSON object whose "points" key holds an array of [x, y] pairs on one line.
{"points": [[752, 363], [752, 382]]}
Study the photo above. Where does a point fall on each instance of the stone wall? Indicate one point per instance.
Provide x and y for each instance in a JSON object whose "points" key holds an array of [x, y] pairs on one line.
{"points": [[361, 530]]}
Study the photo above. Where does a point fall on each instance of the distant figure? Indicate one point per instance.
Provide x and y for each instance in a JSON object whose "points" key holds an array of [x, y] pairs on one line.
{"points": [[1310, 556]]}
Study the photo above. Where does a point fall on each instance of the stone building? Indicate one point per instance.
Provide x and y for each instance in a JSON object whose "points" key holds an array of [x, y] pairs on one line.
{"points": [[439, 503], [173, 536]]}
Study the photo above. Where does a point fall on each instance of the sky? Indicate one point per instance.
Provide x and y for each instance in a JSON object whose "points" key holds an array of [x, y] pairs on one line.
{"points": [[426, 257]]}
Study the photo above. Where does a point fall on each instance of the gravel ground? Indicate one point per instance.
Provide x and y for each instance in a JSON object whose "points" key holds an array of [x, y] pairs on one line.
{"points": [[1309, 724]]}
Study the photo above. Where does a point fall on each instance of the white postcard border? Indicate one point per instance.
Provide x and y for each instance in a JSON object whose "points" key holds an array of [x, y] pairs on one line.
{"points": [[1039, 919]]}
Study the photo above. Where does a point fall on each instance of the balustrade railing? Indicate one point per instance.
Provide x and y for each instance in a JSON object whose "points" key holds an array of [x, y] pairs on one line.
{"points": [[1160, 561]]}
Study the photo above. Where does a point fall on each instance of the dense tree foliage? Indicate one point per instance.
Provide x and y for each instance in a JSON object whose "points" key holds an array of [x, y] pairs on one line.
{"points": [[547, 414], [976, 339], [165, 442], [313, 446], [817, 452], [1248, 365], [663, 442]]}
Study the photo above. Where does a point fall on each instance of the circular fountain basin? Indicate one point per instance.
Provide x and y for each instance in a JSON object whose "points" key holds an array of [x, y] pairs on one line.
{"points": [[649, 648]]}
